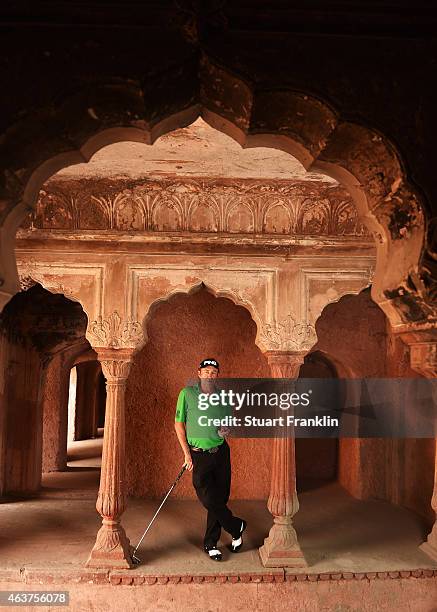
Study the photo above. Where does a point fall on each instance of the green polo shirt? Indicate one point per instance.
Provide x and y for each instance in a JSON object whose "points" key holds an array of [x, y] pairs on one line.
{"points": [[188, 412]]}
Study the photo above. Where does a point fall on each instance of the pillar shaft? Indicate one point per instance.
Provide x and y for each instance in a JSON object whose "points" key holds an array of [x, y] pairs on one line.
{"points": [[112, 548], [281, 548]]}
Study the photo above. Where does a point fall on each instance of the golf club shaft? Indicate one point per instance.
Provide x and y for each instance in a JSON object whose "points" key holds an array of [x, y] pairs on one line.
{"points": [[162, 503]]}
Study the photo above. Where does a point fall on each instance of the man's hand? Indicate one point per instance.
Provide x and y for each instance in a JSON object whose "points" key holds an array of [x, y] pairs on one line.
{"points": [[224, 431], [188, 462]]}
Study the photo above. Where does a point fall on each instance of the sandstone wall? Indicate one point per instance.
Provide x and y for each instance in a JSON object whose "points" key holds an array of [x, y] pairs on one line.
{"points": [[21, 417], [188, 328], [182, 332], [400, 471]]}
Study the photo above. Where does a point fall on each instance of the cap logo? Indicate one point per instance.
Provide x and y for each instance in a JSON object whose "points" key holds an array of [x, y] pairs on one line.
{"points": [[207, 362]]}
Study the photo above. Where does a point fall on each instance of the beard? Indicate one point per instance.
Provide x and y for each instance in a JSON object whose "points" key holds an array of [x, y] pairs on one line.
{"points": [[207, 384]]}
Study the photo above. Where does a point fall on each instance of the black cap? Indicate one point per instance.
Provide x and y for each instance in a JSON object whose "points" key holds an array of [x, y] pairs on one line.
{"points": [[209, 362]]}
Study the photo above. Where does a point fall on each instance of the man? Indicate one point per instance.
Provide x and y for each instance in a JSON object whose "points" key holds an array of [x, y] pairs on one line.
{"points": [[207, 455]]}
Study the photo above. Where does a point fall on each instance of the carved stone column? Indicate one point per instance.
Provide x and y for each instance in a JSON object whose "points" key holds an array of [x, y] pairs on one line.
{"points": [[112, 547], [281, 548], [423, 359]]}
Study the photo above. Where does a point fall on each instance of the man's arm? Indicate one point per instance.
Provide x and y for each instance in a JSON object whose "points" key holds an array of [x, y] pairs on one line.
{"points": [[182, 437], [180, 420]]}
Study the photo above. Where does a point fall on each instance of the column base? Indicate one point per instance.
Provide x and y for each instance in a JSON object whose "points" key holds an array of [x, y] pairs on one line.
{"points": [[430, 546], [281, 548], [112, 548]]}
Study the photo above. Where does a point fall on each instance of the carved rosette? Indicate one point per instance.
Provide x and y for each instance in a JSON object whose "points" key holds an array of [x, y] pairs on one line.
{"points": [[281, 547], [423, 359], [112, 547], [114, 332], [287, 335]]}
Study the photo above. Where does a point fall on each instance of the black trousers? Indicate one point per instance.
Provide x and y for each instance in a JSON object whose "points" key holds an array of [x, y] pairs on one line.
{"points": [[212, 483]]}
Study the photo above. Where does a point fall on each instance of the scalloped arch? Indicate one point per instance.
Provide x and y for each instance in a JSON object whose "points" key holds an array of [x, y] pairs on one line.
{"points": [[362, 159], [233, 296], [56, 289], [337, 300]]}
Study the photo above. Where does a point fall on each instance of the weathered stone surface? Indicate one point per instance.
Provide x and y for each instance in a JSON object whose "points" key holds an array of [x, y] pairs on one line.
{"points": [[219, 206], [287, 82], [248, 74]]}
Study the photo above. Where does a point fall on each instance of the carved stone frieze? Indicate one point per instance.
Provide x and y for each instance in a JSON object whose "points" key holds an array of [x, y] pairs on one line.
{"points": [[229, 206], [115, 332], [287, 335]]}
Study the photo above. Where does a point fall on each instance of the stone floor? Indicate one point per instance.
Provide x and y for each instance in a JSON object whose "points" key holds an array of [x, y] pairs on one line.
{"points": [[336, 532]]}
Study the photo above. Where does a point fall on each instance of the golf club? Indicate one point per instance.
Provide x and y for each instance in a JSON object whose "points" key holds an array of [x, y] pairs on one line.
{"points": [[136, 559]]}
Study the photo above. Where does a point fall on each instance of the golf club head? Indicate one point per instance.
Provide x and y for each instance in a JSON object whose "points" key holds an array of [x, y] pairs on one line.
{"points": [[136, 560]]}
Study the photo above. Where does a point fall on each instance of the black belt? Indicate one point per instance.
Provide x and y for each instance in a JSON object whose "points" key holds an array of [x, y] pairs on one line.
{"points": [[196, 449]]}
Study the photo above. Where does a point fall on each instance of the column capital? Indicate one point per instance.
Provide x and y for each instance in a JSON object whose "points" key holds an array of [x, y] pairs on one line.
{"points": [[285, 364], [116, 363]]}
